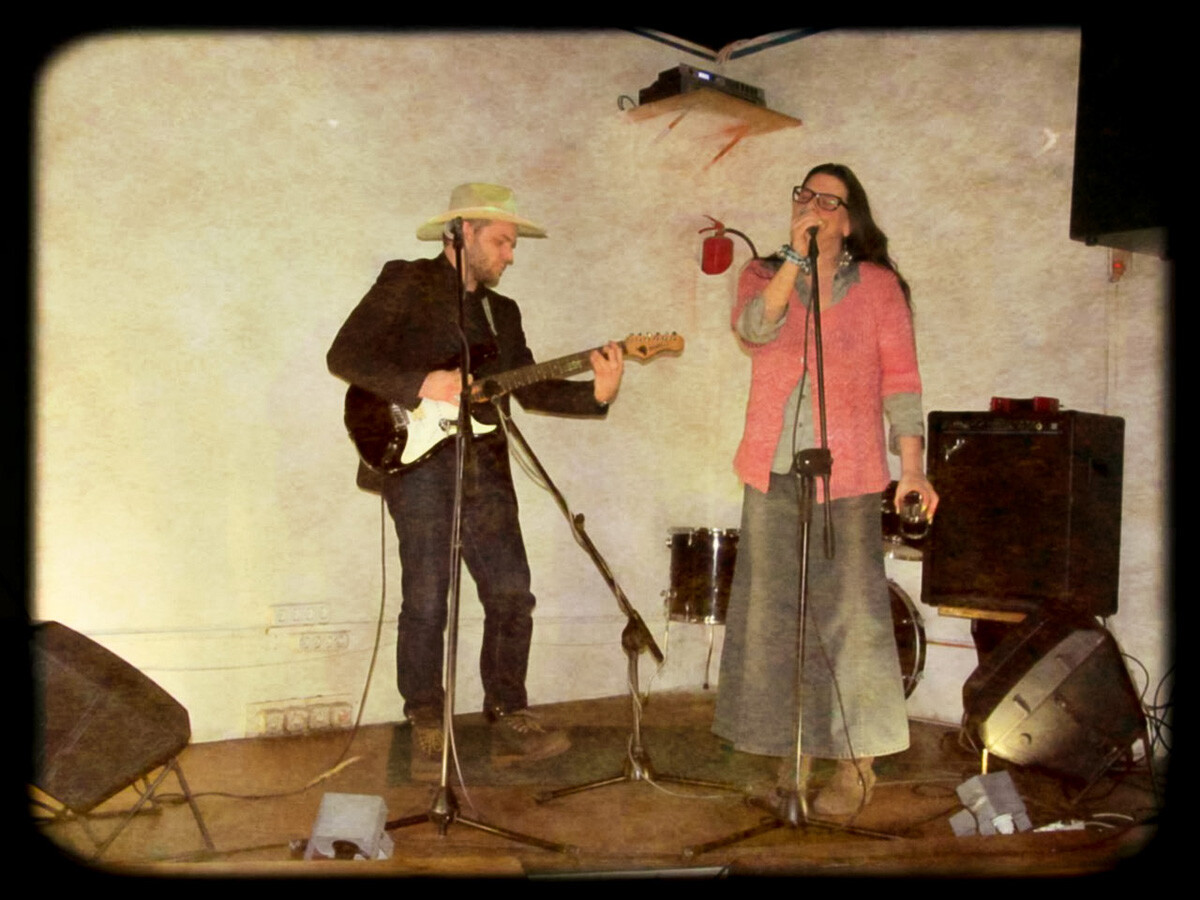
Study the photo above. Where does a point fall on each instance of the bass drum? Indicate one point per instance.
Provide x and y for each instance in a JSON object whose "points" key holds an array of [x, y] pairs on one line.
{"points": [[702, 561], [910, 637]]}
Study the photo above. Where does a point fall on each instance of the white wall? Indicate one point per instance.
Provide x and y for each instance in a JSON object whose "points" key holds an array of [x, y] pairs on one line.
{"points": [[210, 208]]}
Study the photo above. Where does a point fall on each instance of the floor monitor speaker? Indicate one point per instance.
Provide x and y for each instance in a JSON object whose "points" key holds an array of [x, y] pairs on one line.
{"points": [[100, 723], [1055, 694]]}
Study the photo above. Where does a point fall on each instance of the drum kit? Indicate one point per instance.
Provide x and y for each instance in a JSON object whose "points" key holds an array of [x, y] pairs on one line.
{"points": [[702, 564]]}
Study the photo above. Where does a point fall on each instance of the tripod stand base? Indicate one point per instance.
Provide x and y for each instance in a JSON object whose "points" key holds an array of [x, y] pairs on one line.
{"points": [[788, 810], [444, 812], [637, 768]]}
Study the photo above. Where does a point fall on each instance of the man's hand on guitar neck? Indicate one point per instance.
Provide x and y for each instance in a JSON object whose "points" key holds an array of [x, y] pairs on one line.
{"points": [[608, 362]]}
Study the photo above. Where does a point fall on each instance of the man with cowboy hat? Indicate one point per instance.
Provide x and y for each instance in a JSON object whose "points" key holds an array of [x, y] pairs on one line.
{"points": [[401, 343]]}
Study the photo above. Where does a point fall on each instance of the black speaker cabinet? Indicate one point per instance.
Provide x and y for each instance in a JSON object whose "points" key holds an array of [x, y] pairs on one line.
{"points": [[100, 723], [1125, 103], [1029, 518], [1055, 694]]}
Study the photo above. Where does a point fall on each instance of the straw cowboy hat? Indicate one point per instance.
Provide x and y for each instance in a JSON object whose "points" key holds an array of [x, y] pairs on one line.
{"points": [[480, 201]]}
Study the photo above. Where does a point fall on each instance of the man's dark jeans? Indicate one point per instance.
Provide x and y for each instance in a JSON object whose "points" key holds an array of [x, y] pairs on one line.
{"points": [[421, 502]]}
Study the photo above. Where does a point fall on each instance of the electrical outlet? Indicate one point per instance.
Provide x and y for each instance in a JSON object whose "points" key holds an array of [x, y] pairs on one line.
{"points": [[299, 715], [325, 641], [295, 720], [272, 722], [341, 715], [318, 717], [285, 614]]}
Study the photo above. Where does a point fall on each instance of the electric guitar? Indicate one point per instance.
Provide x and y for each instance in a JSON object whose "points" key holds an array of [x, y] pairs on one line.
{"points": [[391, 438]]}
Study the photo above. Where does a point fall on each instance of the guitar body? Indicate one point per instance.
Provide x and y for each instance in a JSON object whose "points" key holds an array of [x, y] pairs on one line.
{"points": [[391, 439]]}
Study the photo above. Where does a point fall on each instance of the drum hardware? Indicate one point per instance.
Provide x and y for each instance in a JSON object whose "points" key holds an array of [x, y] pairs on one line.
{"points": [[710, 628]]}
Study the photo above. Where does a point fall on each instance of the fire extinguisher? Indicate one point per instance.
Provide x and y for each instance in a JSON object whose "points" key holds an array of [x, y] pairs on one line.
{"points": [[718, 248]]}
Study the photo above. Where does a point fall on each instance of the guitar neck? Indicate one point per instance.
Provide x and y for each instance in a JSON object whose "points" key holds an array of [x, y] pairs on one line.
{"points": [[563, 367]]}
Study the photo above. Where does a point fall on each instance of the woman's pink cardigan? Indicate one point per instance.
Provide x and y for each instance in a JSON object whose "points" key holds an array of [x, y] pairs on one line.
{"points": [[869, 353]]}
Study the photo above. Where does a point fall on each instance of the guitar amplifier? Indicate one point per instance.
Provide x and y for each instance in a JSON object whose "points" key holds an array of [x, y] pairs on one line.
{"points": [[1029, 516]]}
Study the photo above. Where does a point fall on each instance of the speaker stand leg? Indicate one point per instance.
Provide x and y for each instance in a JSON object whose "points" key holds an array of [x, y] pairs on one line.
{"points": [[208, 842], [147, 796]]}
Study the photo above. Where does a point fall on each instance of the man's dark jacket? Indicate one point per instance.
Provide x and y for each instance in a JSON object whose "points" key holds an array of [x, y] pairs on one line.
{"points": [[405, 327]]}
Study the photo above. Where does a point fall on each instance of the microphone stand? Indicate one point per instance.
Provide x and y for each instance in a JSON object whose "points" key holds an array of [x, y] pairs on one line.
{"points": [[444, 810], [635, 639], [790, 808]]}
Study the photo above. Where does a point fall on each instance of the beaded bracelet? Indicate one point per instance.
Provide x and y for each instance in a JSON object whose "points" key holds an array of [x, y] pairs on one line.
{"points": [[788, 253]]}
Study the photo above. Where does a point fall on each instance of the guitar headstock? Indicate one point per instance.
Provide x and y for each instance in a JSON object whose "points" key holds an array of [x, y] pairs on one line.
{"points": [[644, 346]]}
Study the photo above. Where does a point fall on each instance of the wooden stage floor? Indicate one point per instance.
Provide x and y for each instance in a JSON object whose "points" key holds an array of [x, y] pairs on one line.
{"points": [[255, 803]]}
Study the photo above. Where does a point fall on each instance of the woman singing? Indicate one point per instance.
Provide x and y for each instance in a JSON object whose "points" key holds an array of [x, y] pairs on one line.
{"points": [[851, 690]]}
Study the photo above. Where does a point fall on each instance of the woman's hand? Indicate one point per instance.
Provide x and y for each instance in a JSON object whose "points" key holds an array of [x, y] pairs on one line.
{"points": [[912, 475], [916, 481], [801, 224]]}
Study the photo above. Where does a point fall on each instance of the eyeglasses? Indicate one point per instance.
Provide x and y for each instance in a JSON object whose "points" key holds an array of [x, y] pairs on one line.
{"points": [[827, 202]]}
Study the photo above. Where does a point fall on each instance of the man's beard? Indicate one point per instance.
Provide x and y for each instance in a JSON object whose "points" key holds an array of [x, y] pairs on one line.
{"points": [[486, 277]]}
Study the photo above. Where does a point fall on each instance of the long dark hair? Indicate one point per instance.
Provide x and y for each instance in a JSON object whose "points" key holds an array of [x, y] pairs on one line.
{"points": [[866, 241]]}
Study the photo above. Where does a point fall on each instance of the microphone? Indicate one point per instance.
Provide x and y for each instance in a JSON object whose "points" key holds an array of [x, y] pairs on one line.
{"points": [[812, 239], [454, 228]]}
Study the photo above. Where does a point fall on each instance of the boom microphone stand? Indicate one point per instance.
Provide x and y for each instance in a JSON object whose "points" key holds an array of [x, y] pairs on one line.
{"points": [[790, 808], [444, 810], [635, 639]]}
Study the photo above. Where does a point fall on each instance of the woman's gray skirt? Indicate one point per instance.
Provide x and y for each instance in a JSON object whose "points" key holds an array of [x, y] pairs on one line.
{"points": [[853, 692]]}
